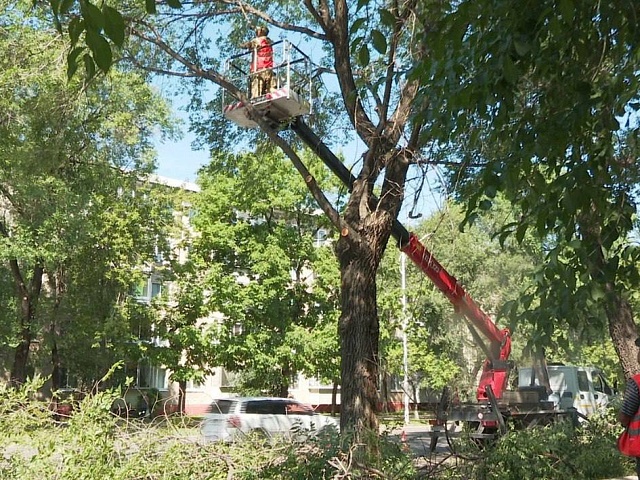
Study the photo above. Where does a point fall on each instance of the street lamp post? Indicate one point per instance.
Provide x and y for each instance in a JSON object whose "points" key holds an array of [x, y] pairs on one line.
{"points": [[405, 346]]}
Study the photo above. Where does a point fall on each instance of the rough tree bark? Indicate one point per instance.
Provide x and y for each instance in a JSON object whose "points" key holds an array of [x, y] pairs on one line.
{"points": [[624, 332], [358, 321], [622, 327]]}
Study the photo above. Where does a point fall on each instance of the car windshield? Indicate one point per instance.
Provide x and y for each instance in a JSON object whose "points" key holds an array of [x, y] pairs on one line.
{"points": [[221, 406]]}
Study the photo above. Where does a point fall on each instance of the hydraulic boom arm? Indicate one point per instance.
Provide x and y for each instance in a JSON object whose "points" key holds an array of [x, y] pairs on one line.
{"points": [[495, 368]]}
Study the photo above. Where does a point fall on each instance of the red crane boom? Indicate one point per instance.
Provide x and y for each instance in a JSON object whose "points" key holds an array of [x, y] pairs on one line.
{"points": [[495, 369]]}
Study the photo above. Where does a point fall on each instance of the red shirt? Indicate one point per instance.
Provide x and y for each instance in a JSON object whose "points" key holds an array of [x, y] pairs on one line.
{"points": [[263, 54]]}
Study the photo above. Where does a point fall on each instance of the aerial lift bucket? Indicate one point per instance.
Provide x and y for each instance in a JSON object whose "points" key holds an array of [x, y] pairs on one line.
{"points": [[292, 96]]}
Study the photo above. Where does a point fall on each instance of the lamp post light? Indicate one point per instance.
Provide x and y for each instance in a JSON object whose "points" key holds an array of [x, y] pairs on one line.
{"points": [[405, 346]]}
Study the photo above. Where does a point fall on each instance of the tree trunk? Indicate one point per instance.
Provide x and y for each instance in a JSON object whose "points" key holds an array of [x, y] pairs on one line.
{"points": [[21, 358], [56, 381], [384, 392], [359, 333], [28, 297], [21, 355], [622, 327], [182, 394], [283, 388], [623, 331]]}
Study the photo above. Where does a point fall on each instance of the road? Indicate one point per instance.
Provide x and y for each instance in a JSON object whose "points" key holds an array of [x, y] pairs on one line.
{"points": [[418, 439]]}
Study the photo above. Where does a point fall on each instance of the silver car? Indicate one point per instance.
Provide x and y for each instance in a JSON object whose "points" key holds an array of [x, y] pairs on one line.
{"points": [[230, 419]]}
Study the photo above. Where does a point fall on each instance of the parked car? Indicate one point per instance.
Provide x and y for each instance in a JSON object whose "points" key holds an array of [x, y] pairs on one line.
{"points": [[230, 419]]}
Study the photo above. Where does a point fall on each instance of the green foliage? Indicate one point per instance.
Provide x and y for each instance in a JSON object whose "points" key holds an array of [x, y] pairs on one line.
{"points": [[257, 271], [558, 451], [73, 160], [92, 443], [541, 99], [96, 32]]}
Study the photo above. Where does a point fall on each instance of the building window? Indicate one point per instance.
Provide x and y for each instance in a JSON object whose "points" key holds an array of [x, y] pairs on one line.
{"points": [[195, 385], [156, 289], [149, 376], [141, 288], [147, 288]]}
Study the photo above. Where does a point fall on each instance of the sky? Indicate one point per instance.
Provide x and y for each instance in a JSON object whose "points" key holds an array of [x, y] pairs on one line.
{"points": [[177, 160]]}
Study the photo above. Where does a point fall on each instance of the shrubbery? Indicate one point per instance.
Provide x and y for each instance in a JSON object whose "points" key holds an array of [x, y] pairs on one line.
{"points": [[95, 444], [553, 452]]}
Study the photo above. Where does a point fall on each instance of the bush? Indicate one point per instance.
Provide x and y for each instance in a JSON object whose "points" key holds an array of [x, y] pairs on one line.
{"points": [[95, 444], [556, 451]]}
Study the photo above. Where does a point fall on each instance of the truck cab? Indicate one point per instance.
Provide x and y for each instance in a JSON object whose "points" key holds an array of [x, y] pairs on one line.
{"points": [[582, 388]]}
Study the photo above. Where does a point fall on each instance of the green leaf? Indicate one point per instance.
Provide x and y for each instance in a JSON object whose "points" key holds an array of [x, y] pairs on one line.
{"points": [[57, 24], [567, 9], [363, 55], [386, 17], [89, 65], [72, 61], [355, 26], [356, 43], [100, 49], [379, 41], [485, 205], [520, 232], [92, 16], [150, 6], [76, 27], [174, 3], [509, 70], [361, 3], [114, 25], [491, 191], [522, 47]]}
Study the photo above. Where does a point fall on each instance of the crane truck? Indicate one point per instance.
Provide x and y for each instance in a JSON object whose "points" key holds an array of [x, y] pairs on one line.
{"points": [[545, 392]]}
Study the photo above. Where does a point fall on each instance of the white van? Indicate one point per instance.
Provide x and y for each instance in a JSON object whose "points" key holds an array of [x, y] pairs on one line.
{"points": [[583, 388]]}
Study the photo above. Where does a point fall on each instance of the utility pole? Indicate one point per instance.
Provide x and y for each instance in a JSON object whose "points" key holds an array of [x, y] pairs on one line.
{"points": [[405, 346]]}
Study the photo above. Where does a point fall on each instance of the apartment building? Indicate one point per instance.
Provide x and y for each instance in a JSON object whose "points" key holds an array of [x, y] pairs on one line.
{"points": [[221, 384]]}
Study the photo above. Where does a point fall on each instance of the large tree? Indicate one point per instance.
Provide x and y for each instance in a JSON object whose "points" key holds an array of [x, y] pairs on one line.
{"points": [[256, 258], [540, 101], [70, 160]]}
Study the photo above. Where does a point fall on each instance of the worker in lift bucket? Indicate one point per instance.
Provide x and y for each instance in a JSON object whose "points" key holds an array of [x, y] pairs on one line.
{"points": [[629, 414], [261, 73]]}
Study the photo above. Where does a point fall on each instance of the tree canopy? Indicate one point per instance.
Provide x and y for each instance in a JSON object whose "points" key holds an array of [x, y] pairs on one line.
{"points": [[73, 162], [257, 259], [540, 102]]}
